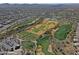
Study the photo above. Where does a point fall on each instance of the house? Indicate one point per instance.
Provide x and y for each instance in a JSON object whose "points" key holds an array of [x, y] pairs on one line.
{"points": [[10, 44]]}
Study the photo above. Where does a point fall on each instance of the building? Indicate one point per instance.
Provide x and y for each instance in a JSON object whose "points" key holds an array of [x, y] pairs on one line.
{"points": [[10, 44]]}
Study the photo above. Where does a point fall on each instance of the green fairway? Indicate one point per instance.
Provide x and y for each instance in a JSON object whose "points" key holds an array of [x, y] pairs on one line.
{"points": [[63, 31], [28, 45], [41, 28], [27, 36], [44, 42]]}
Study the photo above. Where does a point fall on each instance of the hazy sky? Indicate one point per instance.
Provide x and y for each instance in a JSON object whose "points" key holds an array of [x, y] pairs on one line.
{"points": [[39, 1]]}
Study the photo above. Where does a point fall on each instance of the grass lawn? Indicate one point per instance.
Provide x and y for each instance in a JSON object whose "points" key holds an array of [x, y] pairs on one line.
{"points": [[28, 45], [27, 36], [44, 42], [63, 31], [41, 28]]}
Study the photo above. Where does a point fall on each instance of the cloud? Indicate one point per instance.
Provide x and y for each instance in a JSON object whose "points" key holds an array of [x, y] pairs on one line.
{"points": [[39, 1]]}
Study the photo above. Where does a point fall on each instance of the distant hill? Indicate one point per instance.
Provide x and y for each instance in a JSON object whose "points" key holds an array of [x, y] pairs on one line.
{"points": [[6, 5]]}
